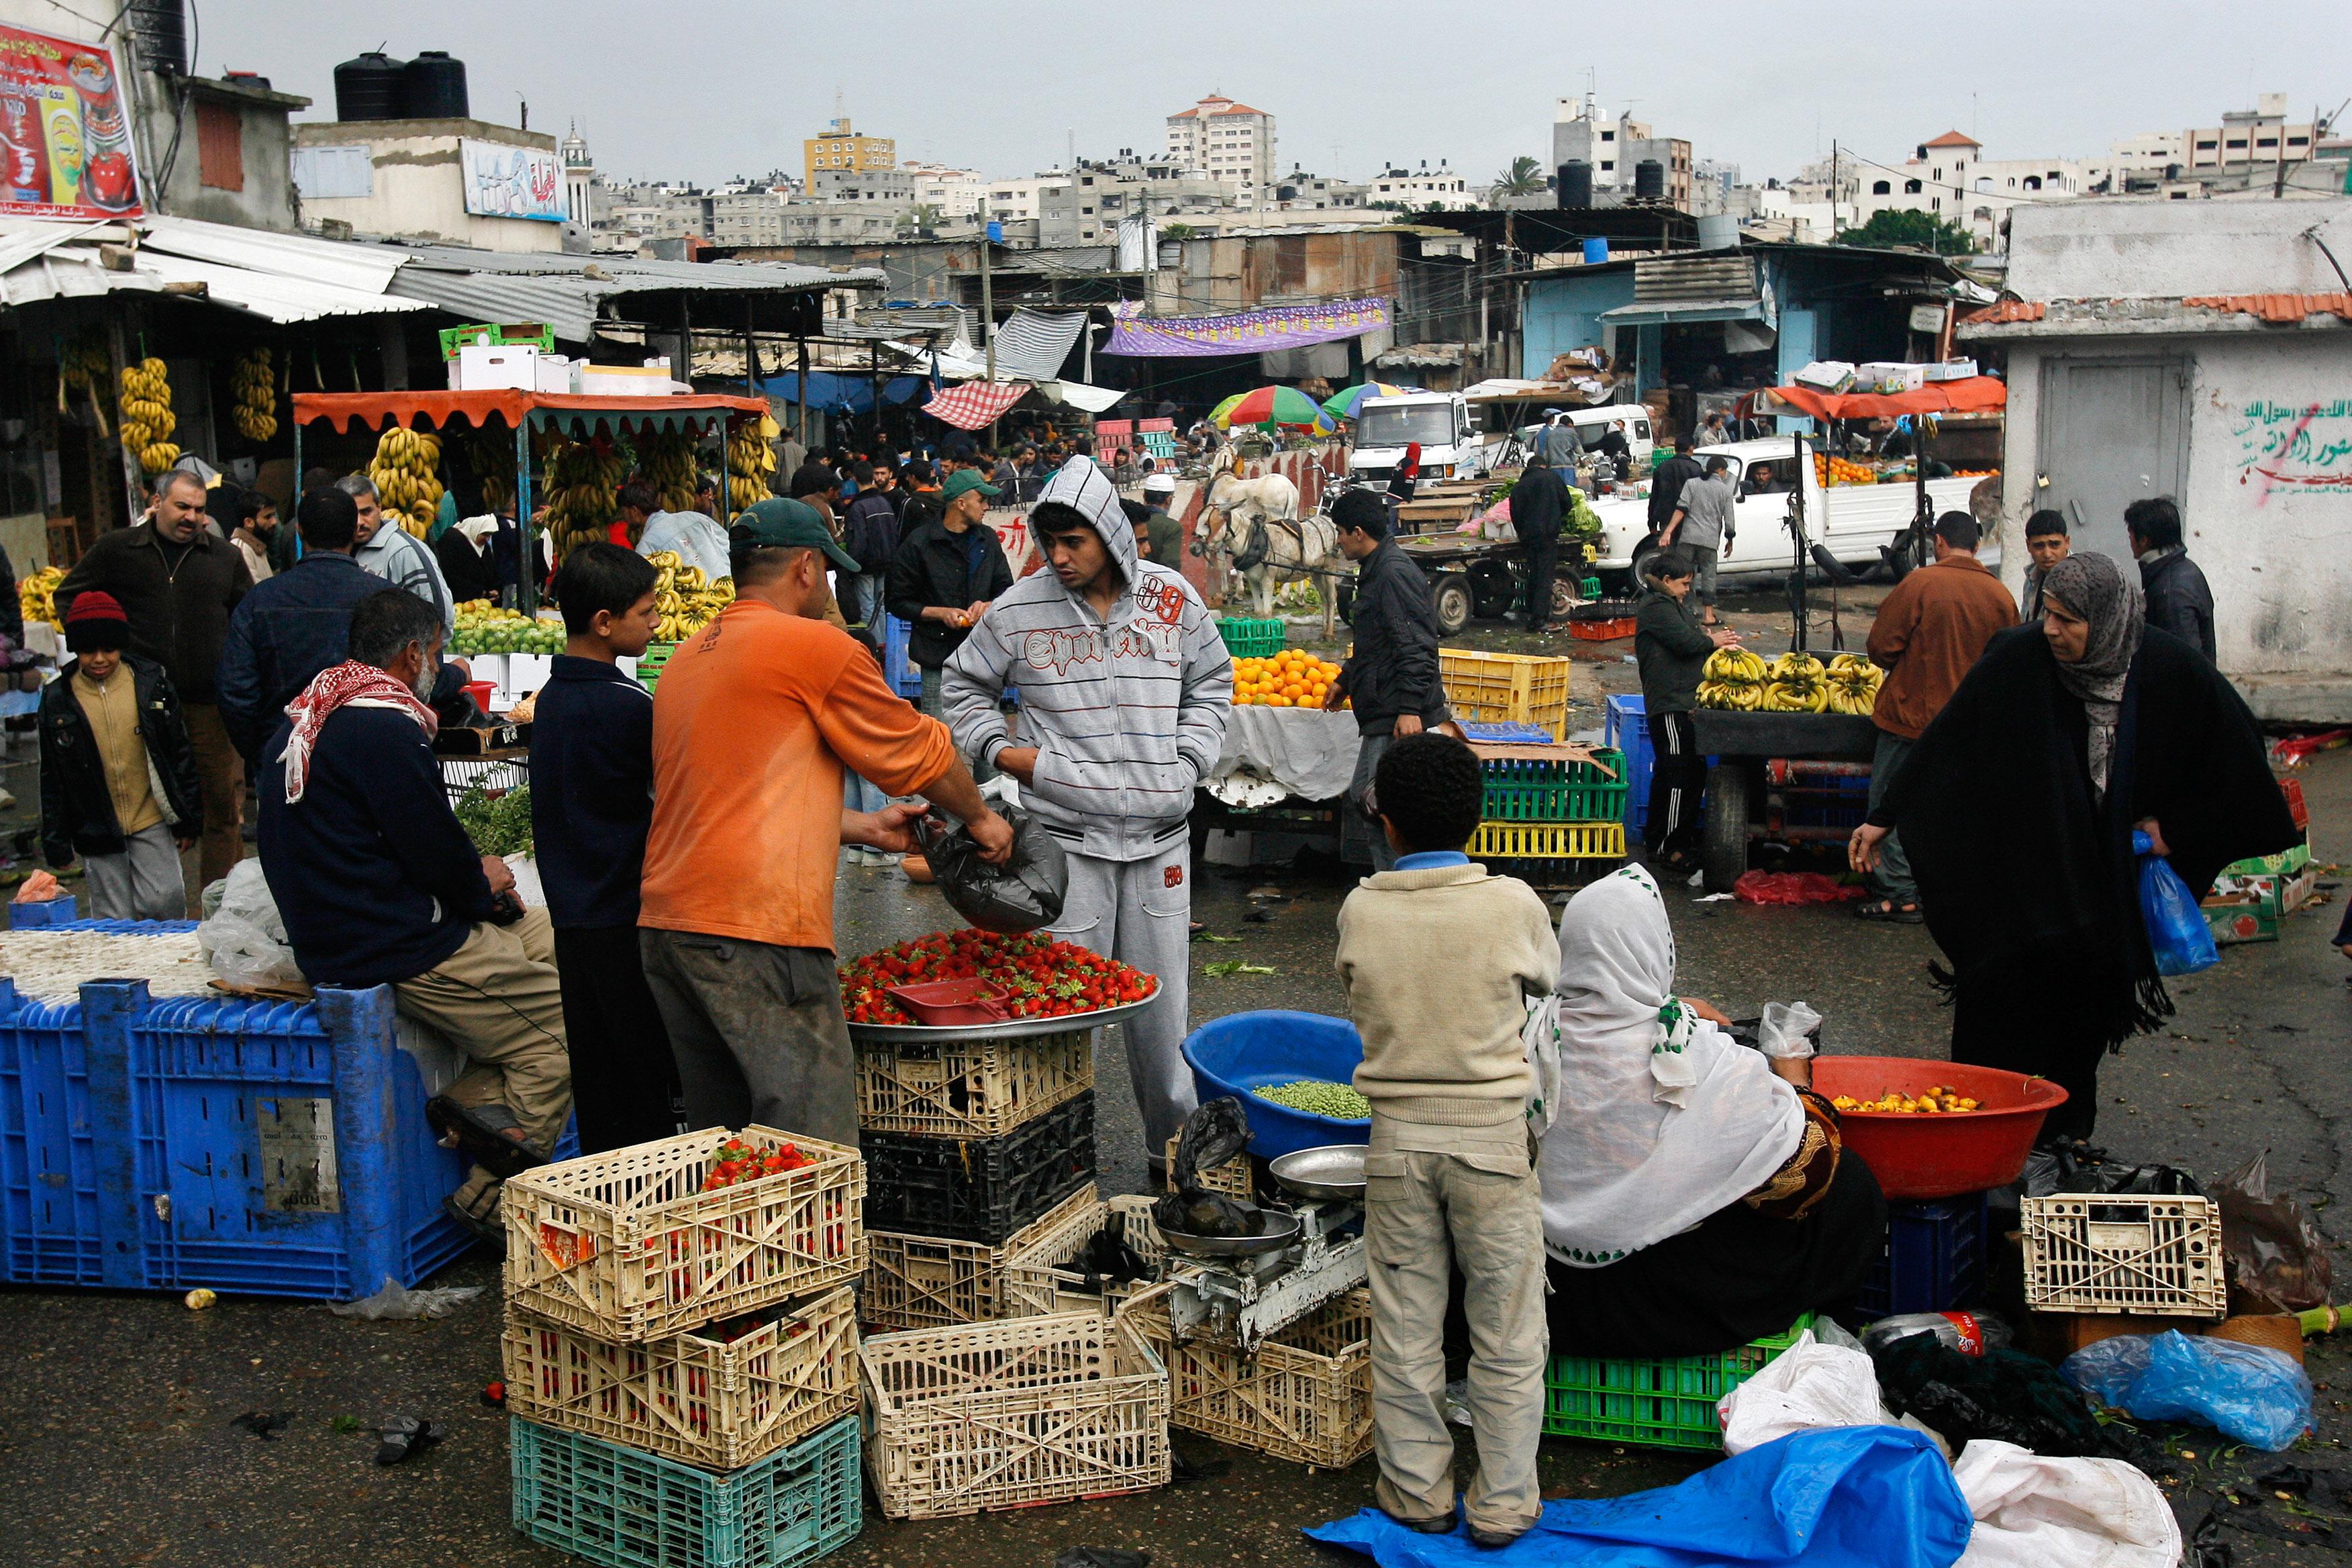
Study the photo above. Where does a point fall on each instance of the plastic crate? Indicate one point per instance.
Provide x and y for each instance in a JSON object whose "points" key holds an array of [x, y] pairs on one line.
{"points": [[1934, 1262], [1036, 1287], [269, 1148], [990, 1416], [1247, 638], [720, 1403], [980, 1189], [630, 1510], [1548, 841], [1667, 1404], [1525, 789], [1235, 1178], [1531, 688], [627, 1246], [650, 663], [1625, 726], [928, 1281], [2109, 1252], [970, 1088], [898, 667], [1305, 1395], [60, 910]]}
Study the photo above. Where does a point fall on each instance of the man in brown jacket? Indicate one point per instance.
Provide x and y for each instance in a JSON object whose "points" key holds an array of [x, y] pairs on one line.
{"points": [[1929, 633]]}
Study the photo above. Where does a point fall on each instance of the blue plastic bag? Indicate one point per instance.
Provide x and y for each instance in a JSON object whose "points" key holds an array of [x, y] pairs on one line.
{"points": [[2176, 926], [1838, 1497], [2249, 1394]]}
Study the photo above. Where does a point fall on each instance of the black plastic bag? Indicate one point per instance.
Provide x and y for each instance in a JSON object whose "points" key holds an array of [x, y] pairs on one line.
{"points": [[2003, 1394], [1212, 1134], [2050, 1170], [2278, 1259], [1019, 895]]}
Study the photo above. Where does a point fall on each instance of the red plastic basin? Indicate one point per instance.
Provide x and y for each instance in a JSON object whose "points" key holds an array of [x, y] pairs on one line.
{"points": [[949, 1003], [479, 690], [1942, 1154]]}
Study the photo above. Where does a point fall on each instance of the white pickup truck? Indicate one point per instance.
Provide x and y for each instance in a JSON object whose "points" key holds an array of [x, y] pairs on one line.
{"points": [[1852, 521]]}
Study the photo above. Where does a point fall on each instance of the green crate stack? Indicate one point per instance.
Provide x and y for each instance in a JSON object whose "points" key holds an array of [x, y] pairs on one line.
{"points": [[650, 662], [1247, 638], [1667, 1404], [1526, 789]]}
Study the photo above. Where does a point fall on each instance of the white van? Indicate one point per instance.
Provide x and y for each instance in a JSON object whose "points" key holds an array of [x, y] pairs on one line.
{"points": [[1630, 420], [1440, 421]]}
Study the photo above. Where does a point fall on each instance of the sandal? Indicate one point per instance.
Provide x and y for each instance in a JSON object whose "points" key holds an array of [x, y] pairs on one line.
{"points": [[488, 1230], [1887, 912], [483, 1131]]}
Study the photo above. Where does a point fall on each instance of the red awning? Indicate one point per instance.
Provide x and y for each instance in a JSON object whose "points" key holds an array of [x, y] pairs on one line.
{"points": [[374, 409], [975, 403], [1972, 394]]}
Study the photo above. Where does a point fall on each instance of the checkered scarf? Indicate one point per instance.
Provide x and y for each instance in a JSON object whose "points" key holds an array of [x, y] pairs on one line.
{"points": [[349, 684]]}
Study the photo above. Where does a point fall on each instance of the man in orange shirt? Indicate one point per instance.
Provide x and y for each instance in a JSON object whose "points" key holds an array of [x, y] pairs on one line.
{"points": [[755, 719], [1929, 631]]}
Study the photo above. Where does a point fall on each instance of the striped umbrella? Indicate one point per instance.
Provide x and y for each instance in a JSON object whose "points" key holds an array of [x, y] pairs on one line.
{"points": [[1343, 404], [1271, 406]]}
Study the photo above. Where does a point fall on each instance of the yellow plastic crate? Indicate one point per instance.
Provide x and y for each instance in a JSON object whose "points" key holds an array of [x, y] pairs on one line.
{"points": [[1548, 841], [1506, 687]]}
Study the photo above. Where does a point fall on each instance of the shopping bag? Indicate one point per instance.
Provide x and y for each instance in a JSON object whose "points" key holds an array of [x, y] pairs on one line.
{"points": [[2177, 930]]}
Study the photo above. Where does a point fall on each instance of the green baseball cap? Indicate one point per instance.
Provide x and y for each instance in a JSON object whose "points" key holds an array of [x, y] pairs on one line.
{"points": [[789, 525], [963, 481]]}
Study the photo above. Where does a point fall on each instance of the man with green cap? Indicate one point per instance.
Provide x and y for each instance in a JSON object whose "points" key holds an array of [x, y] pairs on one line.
{"points": [[945, 575], [755, 720]]}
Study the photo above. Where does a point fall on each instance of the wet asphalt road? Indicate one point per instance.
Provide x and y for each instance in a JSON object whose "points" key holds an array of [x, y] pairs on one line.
{"points": [[115, 1442]]}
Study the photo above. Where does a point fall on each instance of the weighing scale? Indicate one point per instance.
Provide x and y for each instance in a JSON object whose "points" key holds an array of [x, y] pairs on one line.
{"points": [[1242, 1288]]}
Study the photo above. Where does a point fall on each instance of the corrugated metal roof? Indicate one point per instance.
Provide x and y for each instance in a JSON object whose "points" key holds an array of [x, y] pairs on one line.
{"points": [[565, 291], [283, 300], [567, 305], [1694, 277], [364, 268]]}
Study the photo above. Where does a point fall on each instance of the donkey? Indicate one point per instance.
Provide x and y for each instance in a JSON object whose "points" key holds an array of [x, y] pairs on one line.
{"points": [[1266, 543]]}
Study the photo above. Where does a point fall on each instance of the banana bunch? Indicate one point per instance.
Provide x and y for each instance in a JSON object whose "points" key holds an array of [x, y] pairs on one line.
{"points": [[749, 461], [1797, 685], [145, 402], [667, 459], [255, 386], [36, 594], [406, 471], [491, 454], [686, 599], [82, 367], [1733, 678], [581, 480], [1854, 682]]}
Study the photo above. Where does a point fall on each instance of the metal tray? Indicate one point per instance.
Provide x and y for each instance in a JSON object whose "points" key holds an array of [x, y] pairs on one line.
{"points": [[1012, 1029], [1278, 1229], [1333, 1173]]}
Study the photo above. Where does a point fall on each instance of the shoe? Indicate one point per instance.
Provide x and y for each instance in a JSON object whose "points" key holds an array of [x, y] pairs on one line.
{"points": [[1494, 1540], [1436, 1524]]}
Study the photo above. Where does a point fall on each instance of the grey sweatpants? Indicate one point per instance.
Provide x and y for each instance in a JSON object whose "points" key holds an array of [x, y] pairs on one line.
{"points": [[141, 883], [1704, 560], [757, 1033], [1893, 879], [1425, 1214], [1140, 913], [1359, 795]]}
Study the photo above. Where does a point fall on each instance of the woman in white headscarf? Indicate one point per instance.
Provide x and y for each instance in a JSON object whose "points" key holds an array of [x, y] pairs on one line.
{"points": [[1694, 1198], [465, 561]]}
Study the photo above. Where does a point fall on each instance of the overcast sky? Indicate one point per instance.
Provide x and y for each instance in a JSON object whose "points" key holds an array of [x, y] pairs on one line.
{"points": [[701, 90]]}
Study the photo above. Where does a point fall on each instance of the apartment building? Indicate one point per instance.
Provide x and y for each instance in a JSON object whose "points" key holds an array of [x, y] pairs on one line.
{"points": [[1219, 139], [839, 147]]}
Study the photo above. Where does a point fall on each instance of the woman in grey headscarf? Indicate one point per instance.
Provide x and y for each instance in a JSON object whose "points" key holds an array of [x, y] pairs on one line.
{"points": [[2018, 809]]}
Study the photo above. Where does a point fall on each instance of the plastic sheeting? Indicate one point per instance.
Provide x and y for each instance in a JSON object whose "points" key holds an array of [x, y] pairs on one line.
{"points": [[1272, 753]]}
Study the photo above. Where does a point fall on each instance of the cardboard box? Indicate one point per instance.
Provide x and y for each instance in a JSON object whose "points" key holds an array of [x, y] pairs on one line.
{"points": [[1951, 369], [1887, 376], [2240, 916], [1829, 376], [2054, 1336], [625, 380], [483, 367], [2285, 860], [558, 373]]}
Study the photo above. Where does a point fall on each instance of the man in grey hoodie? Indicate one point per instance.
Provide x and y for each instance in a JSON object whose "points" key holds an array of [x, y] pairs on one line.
{"points": [[1125, 685]]}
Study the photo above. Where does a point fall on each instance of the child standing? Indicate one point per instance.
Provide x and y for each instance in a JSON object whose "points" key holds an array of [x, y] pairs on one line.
{"points": [[591, 803], [1439, 958], [118, 776]]}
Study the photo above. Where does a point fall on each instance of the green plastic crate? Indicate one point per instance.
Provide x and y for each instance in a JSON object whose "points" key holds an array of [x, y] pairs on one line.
{"points": [[631, 1510], [1247, 638], [1653, 1404], [531, 334], [1525, 789]]}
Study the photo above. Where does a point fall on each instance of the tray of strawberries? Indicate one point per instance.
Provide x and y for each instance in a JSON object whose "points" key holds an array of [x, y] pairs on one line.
{"points": [[1030, 984]]}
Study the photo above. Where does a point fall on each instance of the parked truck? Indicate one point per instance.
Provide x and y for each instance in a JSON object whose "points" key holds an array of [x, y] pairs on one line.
{"points": [[1440, 421]]}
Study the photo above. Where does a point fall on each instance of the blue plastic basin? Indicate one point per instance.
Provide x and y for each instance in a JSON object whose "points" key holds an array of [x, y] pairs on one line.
{"points": [[1245, 1051]]}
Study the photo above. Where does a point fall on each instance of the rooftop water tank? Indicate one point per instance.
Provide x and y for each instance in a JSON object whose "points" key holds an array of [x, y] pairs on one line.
{"points": [[368, 88], [1649, 180], [435, 87], [161, 28], [1575, 185]]}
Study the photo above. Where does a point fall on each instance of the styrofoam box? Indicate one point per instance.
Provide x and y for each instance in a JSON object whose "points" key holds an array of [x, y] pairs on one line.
{"points": [[1952, 370], [558, 373], [1830, 375], [485, 368], [624, 380], [1885, 375]]}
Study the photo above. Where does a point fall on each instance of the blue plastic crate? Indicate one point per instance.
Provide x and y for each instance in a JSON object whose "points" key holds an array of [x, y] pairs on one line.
{"points": [[1934, 1262], [632, 1510], [898, 667], [50, 1168], [57, 911], [1625, 725], [128, 928]]}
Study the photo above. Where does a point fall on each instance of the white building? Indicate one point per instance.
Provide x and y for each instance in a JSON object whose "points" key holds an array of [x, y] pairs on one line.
{"points": [[863, 186], [1418, 189], [447, 182], [957, 192], [1222, 140], [1615, 149], [1017, 201], [1951, 178], [579, 180]]}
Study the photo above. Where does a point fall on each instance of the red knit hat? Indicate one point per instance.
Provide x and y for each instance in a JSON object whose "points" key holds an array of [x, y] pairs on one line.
{"points": [[96, 605], [96, 621]]}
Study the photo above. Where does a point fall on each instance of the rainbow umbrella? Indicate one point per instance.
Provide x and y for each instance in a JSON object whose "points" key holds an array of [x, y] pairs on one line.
{"points": [[1344, 405], [1271, 406]]}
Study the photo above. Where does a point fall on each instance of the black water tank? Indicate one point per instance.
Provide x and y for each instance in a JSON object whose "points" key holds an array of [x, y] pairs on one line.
{"points": [[1575, 185], [368, 88], [160, 27], [1649, 180], [435, 88]]}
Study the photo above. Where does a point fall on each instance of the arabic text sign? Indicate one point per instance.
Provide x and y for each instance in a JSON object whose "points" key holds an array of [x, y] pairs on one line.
{"points": [[512, 181], [1248, 333], [2295, 448], [65, 136]]}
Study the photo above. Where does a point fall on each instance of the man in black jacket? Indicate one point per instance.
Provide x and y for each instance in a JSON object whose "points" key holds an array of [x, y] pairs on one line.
{"points": [[294, 624], [1666, 484], [945, 575], [2177, 597], [378, 885], [1673, 650], [870, 530], [1393, 676], [1538, 504], [178, 581]]}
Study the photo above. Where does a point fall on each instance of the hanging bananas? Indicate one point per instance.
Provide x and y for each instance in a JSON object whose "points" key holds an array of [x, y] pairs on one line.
{"points": [[667, 459], [749, 460], [36, 594], [406, 471], [491, 454], [686, 600], [254, 386], [583, 477], [145, 403], [1854, 682], [82, 367]]}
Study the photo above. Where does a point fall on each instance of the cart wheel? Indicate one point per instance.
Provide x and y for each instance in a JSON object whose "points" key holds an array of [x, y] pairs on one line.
{"points": [[1493, 589], [1449, 597], [1564, 597], [1723, 852]]}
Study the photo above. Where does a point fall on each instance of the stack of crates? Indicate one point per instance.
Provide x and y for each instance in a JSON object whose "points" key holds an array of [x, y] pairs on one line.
{"points": [[1507, 688], [1541, 817], [978, 1151], [1663, 1404], [681, 1359], [650, 662], [1936, 1260]]}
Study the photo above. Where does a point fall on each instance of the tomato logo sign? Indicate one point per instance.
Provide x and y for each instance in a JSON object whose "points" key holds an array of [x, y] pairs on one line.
{"points": [[1173, 877]]}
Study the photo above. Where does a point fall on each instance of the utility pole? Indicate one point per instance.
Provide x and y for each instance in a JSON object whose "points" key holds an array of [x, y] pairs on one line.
{"points": [[988, 233]]}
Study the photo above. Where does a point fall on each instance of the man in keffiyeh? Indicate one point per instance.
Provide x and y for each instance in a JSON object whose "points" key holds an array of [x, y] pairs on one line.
{"points": [[378, 884]]}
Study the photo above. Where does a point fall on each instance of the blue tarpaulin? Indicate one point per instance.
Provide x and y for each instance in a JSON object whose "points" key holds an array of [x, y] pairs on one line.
{"points": [[1840, 1497], [832, 394]]}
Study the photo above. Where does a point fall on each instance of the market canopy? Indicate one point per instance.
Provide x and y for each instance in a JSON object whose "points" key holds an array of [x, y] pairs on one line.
{"points": [[1245, 332], [372, 409], [975, 403], [1969, 395]]}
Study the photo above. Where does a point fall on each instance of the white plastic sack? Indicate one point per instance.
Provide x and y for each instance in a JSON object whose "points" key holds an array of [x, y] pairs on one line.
{"points": [[2033, 1512], [244, 941], [527, 884], [1809, 1384]]}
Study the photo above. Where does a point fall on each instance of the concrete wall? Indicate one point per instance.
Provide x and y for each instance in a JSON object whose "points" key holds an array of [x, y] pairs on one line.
{"points": [[2164, 249], [268, 200], [1564, 313], [420, 185]]}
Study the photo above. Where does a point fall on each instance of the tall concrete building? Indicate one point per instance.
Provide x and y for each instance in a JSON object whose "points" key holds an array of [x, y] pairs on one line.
{"points": [[838, 148], [1218, 138]]}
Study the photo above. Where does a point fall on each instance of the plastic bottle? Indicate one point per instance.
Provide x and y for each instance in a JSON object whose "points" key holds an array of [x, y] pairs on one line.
{"points": [[1970, 1333]]}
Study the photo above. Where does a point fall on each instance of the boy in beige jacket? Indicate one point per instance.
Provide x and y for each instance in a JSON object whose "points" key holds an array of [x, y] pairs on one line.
{"points": [[1439, 958]]}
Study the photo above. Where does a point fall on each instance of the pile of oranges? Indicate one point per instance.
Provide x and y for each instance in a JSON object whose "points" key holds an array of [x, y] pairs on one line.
{"points": [[1830, 471], [1291, 678]]}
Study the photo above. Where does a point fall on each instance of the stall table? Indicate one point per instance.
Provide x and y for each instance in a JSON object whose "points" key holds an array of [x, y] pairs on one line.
{"points": [[1759, 759]]}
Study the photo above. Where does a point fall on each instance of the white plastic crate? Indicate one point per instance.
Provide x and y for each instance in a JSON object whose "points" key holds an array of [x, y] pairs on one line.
{"points": [[2112, 1252]]}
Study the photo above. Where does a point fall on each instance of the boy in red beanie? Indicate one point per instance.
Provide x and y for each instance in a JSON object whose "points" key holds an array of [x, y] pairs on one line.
{"points": [[118, 776]]}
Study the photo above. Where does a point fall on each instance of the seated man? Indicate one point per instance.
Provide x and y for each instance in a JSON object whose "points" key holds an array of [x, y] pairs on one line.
{"points": [[378, 886]]}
